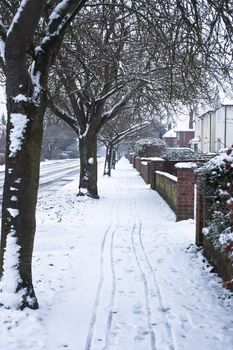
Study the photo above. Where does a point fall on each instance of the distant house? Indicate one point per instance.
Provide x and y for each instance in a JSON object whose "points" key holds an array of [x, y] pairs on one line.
{"points": [[214, 126], [183, 137], [178, 138], [170, 138]]}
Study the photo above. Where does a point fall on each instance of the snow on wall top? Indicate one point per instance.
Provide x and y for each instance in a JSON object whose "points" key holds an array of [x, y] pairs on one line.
{"points": [[153, 159], [186, 165], [169, 176]]}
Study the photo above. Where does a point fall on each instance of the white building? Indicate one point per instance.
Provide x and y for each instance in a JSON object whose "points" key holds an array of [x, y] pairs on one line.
{"points": [[214, 126]]}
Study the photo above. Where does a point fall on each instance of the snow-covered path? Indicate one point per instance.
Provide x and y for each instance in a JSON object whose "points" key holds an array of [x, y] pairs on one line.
{"points": [[119, 274]]}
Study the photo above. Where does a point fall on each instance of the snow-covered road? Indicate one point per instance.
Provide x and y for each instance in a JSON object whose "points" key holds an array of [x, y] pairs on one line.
{"points": [[53, 174], [118, 274]]}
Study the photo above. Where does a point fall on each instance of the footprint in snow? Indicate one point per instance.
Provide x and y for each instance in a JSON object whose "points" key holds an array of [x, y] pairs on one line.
{"points": [[159, 261], [140, 337], [137, 309]]}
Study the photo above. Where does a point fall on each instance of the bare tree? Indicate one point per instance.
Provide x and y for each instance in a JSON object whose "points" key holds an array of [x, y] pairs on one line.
{"points": [[57, 136], [111, 57], [31, 32], [117, 131], [165, 50]]}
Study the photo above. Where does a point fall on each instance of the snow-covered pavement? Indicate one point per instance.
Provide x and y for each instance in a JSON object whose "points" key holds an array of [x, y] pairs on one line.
{"points": [[118, 274]]}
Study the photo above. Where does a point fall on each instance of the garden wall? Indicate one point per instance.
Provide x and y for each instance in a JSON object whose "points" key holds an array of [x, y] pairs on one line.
{"points": [[166, 187], [218, 256], [177, 191]]}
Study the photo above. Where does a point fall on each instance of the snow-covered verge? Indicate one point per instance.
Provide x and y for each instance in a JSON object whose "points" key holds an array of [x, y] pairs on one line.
{"points": [[118, 273]]}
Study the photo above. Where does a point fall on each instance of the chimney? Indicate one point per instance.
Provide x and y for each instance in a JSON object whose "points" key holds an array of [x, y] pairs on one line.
{"points": [[191, 119]]}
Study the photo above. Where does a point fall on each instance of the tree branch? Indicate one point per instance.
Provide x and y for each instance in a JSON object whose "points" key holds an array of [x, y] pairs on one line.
{"points": [[62, 114]]}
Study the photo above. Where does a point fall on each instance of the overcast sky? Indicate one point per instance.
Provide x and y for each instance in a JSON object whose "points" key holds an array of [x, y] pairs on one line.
{"points": [[182, 120]]}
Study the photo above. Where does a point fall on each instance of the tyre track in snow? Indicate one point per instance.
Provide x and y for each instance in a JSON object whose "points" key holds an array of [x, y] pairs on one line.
{"points": [[139, 338], [96, 325], [113, 293], [146, 289], [158, 291], [154, 302], [141, 270]]}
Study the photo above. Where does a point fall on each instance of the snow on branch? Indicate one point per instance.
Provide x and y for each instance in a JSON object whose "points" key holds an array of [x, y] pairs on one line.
{"points": [[35, 79], [17, 15], [57, 17], [60, 17], [60, 113], [85, 132], [108, 94], [123, 101], [130, 131], [23, 26]]}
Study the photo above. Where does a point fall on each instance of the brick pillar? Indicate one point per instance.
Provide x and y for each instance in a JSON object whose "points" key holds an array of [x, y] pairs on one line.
{"points": [[148, 171], [134, 161], [138, 164], [201, 208], [185, 191], [153, 167]]}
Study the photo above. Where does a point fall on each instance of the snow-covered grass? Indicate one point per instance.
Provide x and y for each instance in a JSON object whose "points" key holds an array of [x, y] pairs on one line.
{"points": [[118, 273]]}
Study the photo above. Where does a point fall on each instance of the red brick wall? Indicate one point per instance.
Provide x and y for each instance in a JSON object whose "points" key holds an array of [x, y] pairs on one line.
{"points": [[183, 138], [153, 167], [185, 194], [166, 187], [178, 194], [145, 171]]}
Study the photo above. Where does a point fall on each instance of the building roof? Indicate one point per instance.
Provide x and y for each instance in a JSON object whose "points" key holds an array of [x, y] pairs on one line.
{"points": [[225, 99], [195, 140], [170, 133], [222, 98]]}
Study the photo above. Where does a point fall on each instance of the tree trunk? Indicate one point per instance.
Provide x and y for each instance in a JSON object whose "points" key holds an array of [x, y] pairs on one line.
{"points": [[108, 160], [19, 200], [88, 166], [114, 158]]}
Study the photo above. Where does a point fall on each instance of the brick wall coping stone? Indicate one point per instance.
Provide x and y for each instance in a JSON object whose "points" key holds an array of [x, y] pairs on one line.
{"points": [[169, 176], [186, 165], [156, 159]]}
